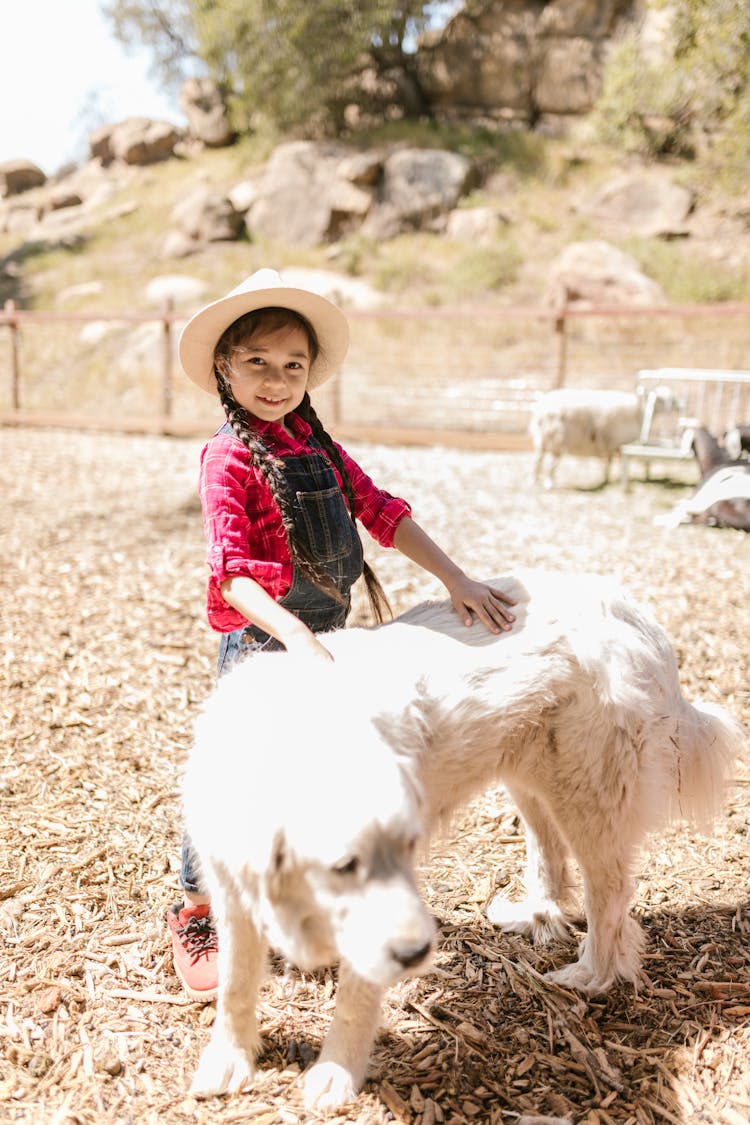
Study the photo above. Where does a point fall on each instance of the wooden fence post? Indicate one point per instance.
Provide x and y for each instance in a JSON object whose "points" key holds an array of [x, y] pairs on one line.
{"points": [[562, 344], [166, 389], [15, 365]]}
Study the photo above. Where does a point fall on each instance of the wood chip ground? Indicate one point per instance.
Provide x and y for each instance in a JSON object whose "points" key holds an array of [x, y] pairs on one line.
{"points": [[105, 659]]}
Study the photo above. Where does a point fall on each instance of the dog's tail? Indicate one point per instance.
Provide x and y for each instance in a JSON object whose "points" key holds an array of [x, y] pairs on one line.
{"points": [[707, 739], [689, 747]]}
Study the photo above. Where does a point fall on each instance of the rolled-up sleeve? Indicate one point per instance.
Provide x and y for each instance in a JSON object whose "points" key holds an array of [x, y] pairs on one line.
{"points": [[239, 517], [377, 510]]}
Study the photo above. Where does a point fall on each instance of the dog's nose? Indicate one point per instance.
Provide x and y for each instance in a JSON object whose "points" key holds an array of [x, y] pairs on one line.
{"points": [[409, 955]]}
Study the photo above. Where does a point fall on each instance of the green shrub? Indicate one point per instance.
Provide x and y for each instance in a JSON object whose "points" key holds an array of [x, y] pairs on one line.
{"points": [[686, 277], [695, 99], [484, 268], [643, 108], [448, 272]]}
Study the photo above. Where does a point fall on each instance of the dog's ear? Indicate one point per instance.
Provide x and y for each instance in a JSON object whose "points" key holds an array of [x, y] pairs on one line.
{"points": [[278, 865]]}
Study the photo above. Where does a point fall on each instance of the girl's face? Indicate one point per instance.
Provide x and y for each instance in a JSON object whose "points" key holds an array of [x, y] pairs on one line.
{"points": [[268, 371]]}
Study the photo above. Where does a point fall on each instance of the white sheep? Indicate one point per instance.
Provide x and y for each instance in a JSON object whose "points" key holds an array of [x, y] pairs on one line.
{"points": [[587, 423]]}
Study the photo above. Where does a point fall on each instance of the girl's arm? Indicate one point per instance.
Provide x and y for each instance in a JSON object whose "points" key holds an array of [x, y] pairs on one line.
{"points": [[250, 599], [467, 595]]}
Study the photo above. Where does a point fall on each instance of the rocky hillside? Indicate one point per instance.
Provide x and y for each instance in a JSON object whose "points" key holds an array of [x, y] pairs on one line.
{"points": [[451, 217], [487, 202], [430, 215], [528, 62]]}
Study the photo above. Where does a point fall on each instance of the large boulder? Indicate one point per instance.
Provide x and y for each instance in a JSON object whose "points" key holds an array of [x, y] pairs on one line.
{"points": [[203, 104], [471, 72], [646, 204], [313, 193], [598, 273], [136, 140], [567, 79], [207, 215], [522, 60], [17, 176], [302, 198], [421, 185]]}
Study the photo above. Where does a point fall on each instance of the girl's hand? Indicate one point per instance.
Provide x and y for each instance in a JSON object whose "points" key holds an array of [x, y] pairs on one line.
{"points": [[485, 601], [307, 643]]}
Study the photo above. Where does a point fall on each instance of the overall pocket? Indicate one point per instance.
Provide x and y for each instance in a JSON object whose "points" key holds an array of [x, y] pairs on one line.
{"points": [[325, 523]]}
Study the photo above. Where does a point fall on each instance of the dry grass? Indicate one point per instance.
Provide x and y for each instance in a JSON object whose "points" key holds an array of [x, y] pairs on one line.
{"points": [[106, 657]]}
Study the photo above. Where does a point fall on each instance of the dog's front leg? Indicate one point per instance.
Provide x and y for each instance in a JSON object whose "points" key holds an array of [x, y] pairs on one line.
{"points": [[541, 915], [228, 1060], [341, 1066]]}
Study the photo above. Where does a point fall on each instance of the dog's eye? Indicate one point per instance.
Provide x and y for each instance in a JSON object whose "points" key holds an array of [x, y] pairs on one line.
{"points": [[347, 866]]}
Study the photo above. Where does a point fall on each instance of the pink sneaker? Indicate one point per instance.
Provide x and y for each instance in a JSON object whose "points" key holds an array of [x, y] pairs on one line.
{"points": [[195, 949]]}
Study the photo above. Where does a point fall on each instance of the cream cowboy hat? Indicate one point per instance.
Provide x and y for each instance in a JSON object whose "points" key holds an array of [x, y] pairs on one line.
{"points": [[263, 289]]}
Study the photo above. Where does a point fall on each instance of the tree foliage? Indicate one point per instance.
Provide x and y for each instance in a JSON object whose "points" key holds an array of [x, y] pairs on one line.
{"points": [[166, 28], [695, 98], [293, 62]]}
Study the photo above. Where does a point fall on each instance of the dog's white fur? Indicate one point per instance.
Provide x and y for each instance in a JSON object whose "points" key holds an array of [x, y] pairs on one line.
{"points": [[311, 784]]}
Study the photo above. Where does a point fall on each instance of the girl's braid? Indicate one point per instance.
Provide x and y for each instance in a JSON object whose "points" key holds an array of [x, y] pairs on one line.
{"points": [[376, 594], [272, 470]]}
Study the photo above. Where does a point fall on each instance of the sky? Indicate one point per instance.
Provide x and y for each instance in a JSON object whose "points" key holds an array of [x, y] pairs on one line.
{"points": [[62, 74]]}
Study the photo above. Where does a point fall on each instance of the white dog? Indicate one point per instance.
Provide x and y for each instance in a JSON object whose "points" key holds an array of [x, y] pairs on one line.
{"points": [[311, 785]]}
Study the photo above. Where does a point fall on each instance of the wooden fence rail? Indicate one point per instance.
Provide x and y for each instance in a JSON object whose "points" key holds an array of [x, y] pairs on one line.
{"points": [[15, 318], [378, 393]]}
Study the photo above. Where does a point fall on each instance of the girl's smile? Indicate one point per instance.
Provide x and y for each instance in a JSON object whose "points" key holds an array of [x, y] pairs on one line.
{"points": [[268, 372]]}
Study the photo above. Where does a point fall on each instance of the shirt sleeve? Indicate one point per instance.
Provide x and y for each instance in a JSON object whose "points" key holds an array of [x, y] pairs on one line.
{"points": [[377, 510], [237, 506]]}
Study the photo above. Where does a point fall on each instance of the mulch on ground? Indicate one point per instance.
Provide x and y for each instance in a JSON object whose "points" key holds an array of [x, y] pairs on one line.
{"points": [[106, 658]]}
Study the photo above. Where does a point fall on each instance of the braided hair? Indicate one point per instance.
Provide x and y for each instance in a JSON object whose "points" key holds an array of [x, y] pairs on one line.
{"points": [[272, 468]]}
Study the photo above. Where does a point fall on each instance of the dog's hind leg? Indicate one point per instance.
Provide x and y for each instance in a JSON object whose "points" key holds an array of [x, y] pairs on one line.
{"points": [[541, 915], [599, 810], [228, 1060], [611, 950], [340, 1069]]}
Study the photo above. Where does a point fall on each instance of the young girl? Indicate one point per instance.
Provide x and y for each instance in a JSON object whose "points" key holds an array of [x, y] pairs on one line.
{"points": [[279, 500]]}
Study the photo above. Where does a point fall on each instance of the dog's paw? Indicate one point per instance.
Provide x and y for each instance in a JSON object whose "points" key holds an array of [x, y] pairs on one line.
{"points": [[328, 1085], [541, 921], [580, 977], [222, 1070]]}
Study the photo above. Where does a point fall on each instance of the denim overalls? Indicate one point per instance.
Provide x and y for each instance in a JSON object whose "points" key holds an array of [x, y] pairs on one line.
{"points": [[324, 526]]}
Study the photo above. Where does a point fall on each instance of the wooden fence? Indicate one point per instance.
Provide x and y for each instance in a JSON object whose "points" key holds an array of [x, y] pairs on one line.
{"points": [[462, 377]]}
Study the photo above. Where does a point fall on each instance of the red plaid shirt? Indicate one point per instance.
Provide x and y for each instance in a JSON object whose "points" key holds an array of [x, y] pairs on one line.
{"points": [[244, 533]]}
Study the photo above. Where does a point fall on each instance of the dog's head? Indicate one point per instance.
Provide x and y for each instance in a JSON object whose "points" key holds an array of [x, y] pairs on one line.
{"points": [[311, 815], [340, 882], [362, 906]]}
